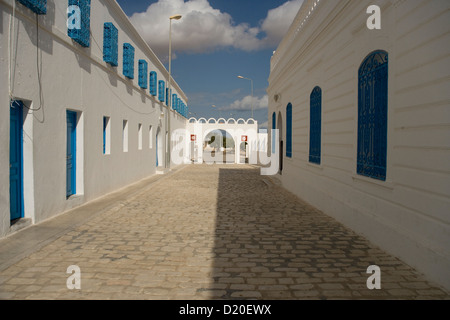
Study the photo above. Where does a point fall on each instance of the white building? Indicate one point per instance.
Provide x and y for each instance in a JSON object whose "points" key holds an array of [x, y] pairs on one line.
{"points": [[83, 106], [364, 120]]}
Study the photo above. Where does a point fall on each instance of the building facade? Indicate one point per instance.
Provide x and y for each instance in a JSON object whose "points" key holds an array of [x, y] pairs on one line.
{"points": [[363, 115], [83, 106]]}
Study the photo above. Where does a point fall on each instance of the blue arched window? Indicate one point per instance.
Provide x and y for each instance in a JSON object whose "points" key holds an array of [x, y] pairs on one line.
{"points": [[289, 130], [372, 115], [315, 128], [153, 82]]}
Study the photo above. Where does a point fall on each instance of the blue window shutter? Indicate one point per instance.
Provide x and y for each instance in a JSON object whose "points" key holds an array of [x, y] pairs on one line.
{"points": [[161, 90], [110, 44], [143, 74], [289, 130], [153, 82], [315, 128], [83, 34], [372, 115], [174, 101], [37, 6], [128, 60]]}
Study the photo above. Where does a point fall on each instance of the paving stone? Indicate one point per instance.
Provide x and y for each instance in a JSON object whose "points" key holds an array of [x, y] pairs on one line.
{"points": [[211, 232]]}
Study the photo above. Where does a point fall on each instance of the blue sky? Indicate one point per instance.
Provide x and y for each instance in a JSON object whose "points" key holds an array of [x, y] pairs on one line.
{"points": [[214, 42]]}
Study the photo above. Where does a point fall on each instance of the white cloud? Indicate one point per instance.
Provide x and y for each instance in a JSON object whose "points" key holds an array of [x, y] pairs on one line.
{"points": [[279, 20], [246, 104], [203, 28]]}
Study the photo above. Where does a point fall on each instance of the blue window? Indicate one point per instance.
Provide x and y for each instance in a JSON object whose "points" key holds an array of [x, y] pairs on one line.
{"points": [[289, 130], [110, 46], [128, 60], [79, 21], [161, 90], [315, 133], [143, 74], [372, 116], [153, 82], [37, 6], [274, 126]]}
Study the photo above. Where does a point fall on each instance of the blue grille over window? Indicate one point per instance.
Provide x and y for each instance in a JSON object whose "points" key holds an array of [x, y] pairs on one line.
{"points": [[372, 116], [79, 31], [110, 46], [315, 134], [289, 131], [153, 82], [128, 60], [143, 74], [37, 6], [161, 90]]}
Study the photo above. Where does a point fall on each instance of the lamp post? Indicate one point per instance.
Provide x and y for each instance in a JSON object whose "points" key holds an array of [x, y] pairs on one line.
{"points": [[241, 77], [169, 100]]}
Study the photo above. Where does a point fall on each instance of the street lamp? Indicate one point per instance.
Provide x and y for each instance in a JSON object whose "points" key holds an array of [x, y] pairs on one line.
{"points": [[241, 77], [169, 101]]}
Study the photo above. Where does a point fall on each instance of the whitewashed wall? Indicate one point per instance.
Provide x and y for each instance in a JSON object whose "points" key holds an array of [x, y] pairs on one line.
{"points": [[409, 214], [53, 74]]}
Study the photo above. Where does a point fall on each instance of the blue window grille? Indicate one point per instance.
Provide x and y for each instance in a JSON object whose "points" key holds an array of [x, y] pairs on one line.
{"points": [[315, 133], [37, 6], [161, 90], [128, 60], [143, 74], [289, 130], [153, 82], [372, 115], [81, 33], [110, 46]]}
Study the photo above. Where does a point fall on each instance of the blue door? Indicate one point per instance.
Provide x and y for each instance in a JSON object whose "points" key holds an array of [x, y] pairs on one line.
{"points": [[15, 161], [71, 153]]}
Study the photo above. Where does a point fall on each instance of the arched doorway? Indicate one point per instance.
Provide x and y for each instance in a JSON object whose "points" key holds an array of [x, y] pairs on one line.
{"points": [[219, 147], [280, 138]]}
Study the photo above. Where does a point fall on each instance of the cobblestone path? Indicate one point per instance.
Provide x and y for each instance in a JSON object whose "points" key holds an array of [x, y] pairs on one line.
{"points": [[212, 232]]}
